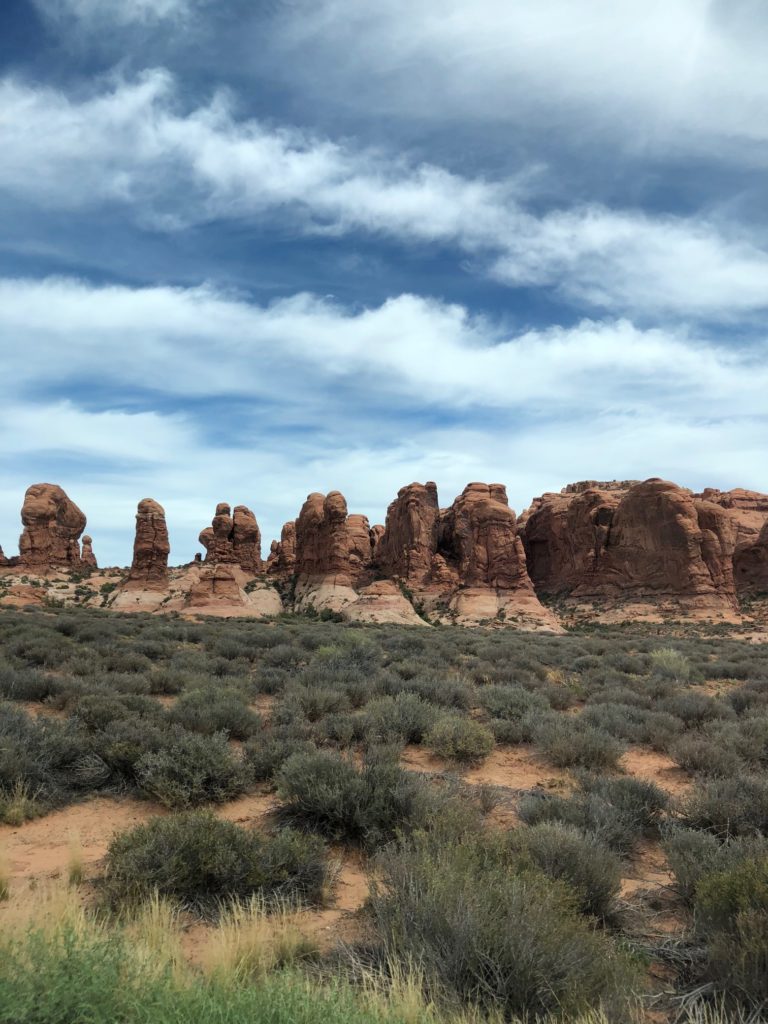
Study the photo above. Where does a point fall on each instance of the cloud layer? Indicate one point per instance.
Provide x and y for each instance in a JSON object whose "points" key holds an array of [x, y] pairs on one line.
{"points": [[134, 146], [180, 392]]}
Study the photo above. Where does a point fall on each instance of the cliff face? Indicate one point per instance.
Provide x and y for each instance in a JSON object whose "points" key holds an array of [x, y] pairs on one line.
{"points": [[639, 542]]}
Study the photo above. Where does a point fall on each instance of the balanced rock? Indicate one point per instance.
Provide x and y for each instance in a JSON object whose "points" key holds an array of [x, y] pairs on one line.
{"points": [[151, 547], [53, 525], [87, 556], [3, 559], [233, 538]]}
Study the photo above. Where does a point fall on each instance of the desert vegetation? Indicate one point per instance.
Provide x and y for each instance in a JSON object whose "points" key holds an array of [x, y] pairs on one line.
{"points": [[556, 828]]}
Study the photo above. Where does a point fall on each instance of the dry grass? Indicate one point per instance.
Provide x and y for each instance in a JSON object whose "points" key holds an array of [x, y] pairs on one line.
{"points": [[75, 865], [254, 938]]}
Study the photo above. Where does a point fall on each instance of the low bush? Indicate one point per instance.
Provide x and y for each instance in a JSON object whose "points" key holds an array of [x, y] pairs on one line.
{"points": [[618, 812], [670, 664], [267, 754], [401, 719], [192, 770], [213, 710], [509, 942], [581, 860], [735, 806], [692, 855], [460, 739], [199, 860], [731, 915], [699, 755], [569, 743], [511, 703], [369, 806]]}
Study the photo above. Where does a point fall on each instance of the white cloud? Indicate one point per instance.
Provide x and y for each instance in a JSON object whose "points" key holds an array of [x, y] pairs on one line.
{"points": [[131, 144], [200, 342], [662, 77], [311, 396]]}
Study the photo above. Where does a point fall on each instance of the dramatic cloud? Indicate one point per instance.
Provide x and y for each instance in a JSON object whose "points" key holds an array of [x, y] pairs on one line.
{"points": [[194, 396], [130, 145]]}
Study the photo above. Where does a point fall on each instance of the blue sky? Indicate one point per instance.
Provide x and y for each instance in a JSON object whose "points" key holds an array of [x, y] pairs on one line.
{"points": [[255, 249]]}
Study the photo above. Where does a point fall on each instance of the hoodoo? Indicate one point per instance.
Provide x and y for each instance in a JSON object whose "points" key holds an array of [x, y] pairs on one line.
{"points": [[53, 525]]}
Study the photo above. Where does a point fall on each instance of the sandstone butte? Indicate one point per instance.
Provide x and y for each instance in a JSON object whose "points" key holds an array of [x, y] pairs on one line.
{"points": [[610, 550]]}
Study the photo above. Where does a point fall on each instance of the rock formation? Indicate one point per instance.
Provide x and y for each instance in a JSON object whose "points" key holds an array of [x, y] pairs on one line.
{"points": [[53, 525], [233, 539], [282, 555], [3, 559], [149, 569], [652, 542], [215, 584], [322, 540], [408, 544], [87, 556], [751, 565]]}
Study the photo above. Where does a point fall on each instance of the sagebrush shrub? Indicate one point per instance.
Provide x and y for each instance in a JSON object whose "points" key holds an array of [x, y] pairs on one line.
{"points": [[510, 942], [460, 739], [568, 743], [198, 859], [192, 770]]}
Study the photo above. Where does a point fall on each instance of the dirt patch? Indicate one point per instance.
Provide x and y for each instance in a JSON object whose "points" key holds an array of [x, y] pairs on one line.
{"points": [[643, 763], [517, 768]]}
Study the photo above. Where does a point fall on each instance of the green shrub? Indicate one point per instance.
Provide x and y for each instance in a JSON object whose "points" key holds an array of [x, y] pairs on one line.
{"points": [[266, 754], [401, 719], [581, 860], [692, 855], [460, 739], [735, 806], [731, 915], [510, 942], [197, 859], [569, 743], [618, 812], [699, 755], [192, 770], [325, 792], [215, 710], [511, 703], [670, 664]]}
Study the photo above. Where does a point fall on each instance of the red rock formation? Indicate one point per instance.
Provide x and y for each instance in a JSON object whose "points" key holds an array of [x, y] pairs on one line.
{"points": [[87, 556], [480, 532], [3, 559], [246, 539], [565, 536], [233, 539], [282, 556], [361, 542], [409, 542], [322, 539], [216, 584], [751, 565], [151, 547], [52, 528], [652, 542]]}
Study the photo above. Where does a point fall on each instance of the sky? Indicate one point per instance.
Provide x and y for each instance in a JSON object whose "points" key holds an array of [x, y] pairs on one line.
{"points": [[255, 249]]}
